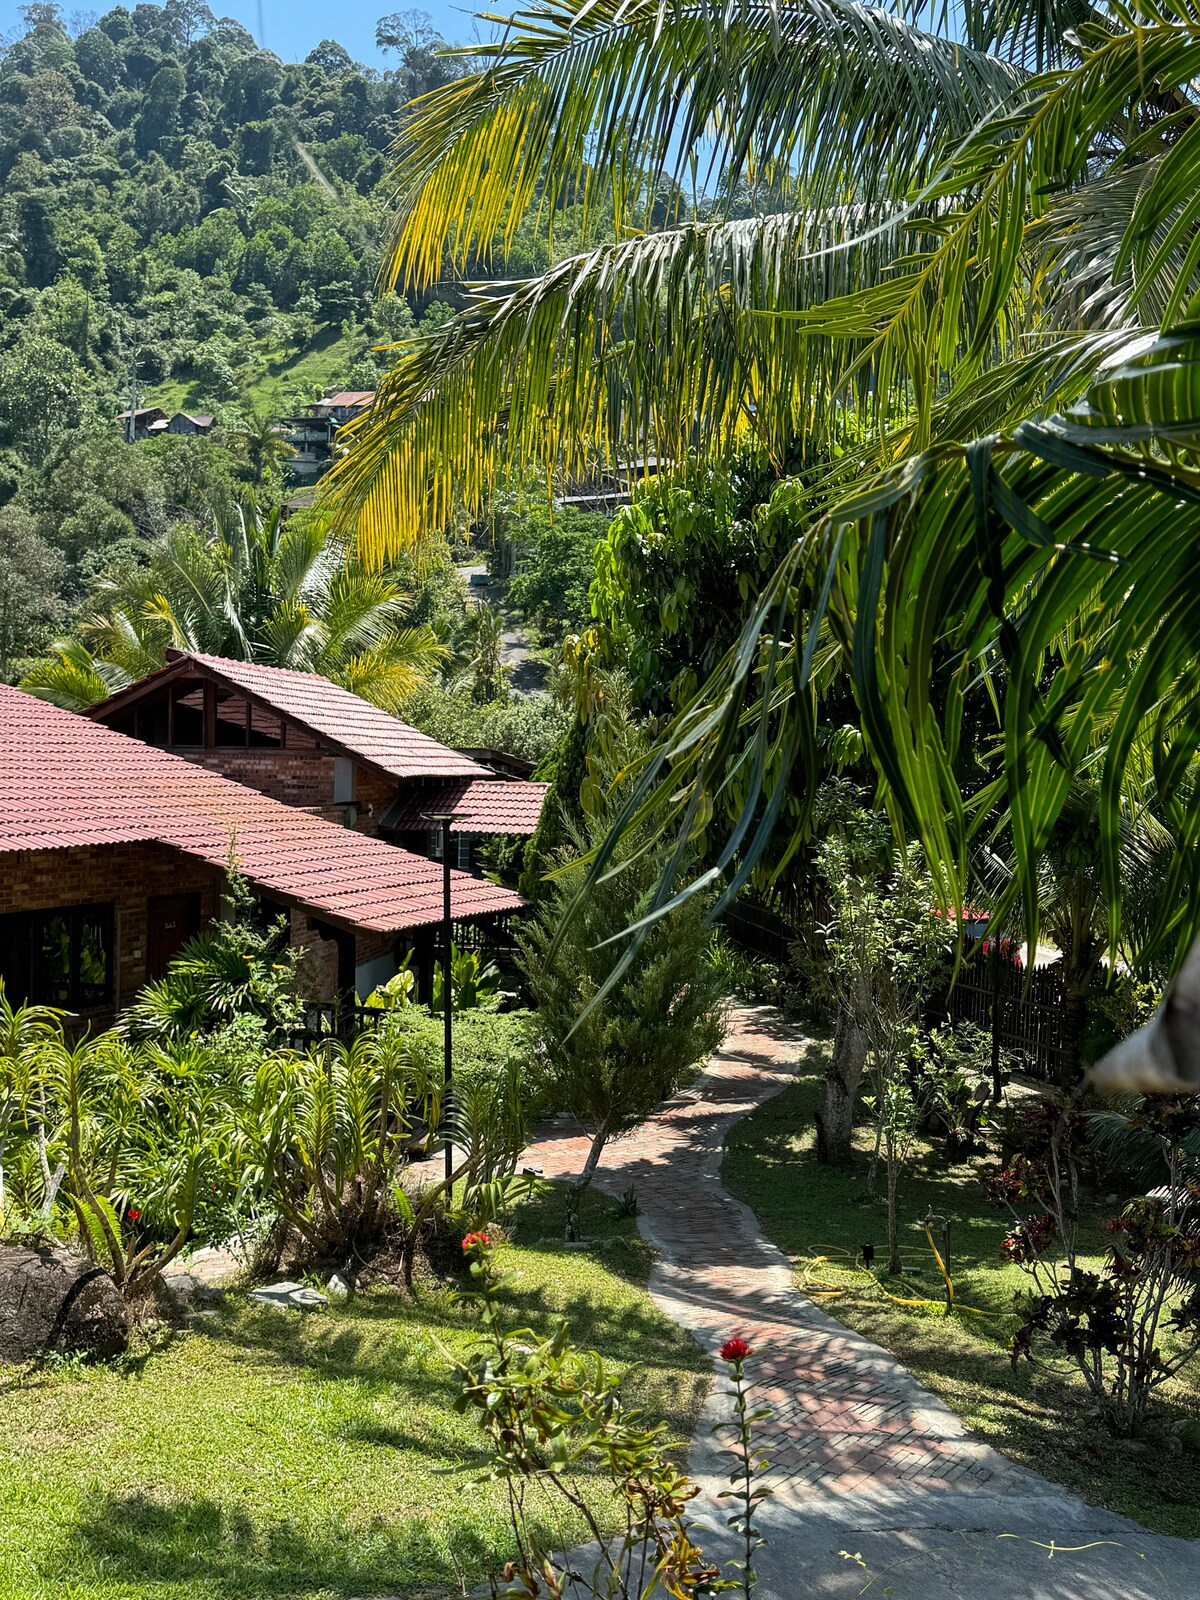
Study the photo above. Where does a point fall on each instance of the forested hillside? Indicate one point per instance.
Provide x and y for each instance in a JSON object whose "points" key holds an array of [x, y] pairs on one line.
{"points": [[187, 221]]}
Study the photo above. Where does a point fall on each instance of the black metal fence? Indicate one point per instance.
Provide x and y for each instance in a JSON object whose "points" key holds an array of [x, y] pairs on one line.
{"points": [[1026, 1011], [758, 930]]}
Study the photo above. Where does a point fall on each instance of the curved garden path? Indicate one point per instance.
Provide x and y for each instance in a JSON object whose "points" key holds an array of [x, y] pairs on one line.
{"points": [[863, 1460]]}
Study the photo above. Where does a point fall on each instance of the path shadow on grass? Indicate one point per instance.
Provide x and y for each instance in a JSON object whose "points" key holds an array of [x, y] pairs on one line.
{"points": [[203, 1549]]}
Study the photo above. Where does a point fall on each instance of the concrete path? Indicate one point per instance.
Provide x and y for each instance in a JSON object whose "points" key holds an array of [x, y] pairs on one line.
{"points": [[864, 1461]]}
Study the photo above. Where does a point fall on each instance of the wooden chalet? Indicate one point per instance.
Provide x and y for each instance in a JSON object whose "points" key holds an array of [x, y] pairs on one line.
{"points": [[114, 853], [308, 743]]}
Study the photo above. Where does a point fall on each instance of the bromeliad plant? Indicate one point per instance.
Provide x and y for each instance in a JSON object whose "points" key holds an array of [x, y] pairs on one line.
{"points": [[115, 1144], [322, 1136], [1112, 1325], [557, 1427]]}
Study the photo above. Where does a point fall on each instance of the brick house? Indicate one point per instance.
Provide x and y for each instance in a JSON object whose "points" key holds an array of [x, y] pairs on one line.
{"points": [[308, 743], [113, 854]]}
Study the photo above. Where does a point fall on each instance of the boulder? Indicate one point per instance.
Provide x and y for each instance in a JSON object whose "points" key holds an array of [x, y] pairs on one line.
{"points": [[53, 1301]]}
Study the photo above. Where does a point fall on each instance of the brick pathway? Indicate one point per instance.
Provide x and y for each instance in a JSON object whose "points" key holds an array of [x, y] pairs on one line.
{"points": [[847, 1416]]}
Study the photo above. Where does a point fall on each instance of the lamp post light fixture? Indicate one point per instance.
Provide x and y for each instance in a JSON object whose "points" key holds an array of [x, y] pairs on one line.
{"points": [[444, 819]]}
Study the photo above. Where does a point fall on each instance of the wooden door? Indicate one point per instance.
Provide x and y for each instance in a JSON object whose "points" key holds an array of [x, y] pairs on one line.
{"points": [[174, 919]]}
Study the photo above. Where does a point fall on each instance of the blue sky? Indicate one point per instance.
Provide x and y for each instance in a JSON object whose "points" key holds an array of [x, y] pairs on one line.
{"points": [[292, 27]]}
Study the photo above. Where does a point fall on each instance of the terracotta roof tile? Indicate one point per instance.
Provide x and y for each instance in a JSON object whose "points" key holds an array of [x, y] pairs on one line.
{"points": [[480, 805], [334, 714], [67, 781]]}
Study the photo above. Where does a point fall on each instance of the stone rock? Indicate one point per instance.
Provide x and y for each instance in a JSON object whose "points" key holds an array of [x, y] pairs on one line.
{"points": [[51, 1301], [189, 1291], [288, 1296], [338, 1287]]}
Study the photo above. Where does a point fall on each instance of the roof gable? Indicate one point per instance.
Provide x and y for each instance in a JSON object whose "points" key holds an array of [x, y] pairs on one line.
{"points": [[333, 716]]}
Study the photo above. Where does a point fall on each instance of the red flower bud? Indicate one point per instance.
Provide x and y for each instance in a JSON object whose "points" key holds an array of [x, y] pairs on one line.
{"points": [[735, 1349], [476, 1241], [133, 1216]]}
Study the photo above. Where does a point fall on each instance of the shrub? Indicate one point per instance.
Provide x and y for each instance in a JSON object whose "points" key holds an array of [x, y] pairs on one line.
{"points": [[1109, 1325]]}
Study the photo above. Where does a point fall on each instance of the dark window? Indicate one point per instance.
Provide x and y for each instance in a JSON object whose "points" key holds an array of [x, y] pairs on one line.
{"points": [[187, 722], [62, 957], [265, 727], [231, 718]]}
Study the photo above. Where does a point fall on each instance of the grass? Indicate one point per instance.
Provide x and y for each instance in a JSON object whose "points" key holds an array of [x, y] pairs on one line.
{"points": [[324, 361], [823, 1216], [263, 1454]]}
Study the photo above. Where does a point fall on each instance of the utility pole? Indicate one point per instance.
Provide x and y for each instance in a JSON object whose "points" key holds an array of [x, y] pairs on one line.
{"points": [[131, 420]]}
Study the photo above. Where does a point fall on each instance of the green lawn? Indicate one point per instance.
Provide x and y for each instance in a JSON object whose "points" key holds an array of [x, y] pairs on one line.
{"points": [[271, 1454], [1037, 1418]]}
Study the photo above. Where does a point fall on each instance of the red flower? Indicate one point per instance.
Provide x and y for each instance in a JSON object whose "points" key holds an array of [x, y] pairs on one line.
{"points": [[476, 1241], [133, 1216], [735, 1349]]}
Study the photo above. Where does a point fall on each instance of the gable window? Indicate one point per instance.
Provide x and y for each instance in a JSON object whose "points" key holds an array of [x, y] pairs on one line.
{"points": [[62, 957]]}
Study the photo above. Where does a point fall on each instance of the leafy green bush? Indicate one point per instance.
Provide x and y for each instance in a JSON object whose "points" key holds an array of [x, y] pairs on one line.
{"points": [[485, 1042]]}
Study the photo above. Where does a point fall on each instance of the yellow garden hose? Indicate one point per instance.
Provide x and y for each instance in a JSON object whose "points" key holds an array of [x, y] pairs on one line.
{"points": [[817, 1288]]}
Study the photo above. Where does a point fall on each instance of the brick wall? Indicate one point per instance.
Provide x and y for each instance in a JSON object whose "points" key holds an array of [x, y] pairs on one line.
{"points": [[319, 964], [301, 778], [128, 876], [295, 777], [375, 795]]}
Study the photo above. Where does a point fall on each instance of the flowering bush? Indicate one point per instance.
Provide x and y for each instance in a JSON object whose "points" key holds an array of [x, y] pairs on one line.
{"points": [[1109, 1323]]}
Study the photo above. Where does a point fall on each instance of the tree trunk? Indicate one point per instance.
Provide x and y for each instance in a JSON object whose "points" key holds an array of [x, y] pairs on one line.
{"points": [[575, 1192], [842, 1079], [895, 1265]]}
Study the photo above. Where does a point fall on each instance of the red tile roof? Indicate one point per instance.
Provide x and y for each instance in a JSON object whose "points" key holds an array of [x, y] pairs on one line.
{"points": [[332, 715], [479, 805], [66, 781]]}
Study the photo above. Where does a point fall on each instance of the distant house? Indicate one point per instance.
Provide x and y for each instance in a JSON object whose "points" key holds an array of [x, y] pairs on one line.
{"points": [[189, 422], [315, 430], [149, 422], [308, 743], [113, 854], [139, 423]]}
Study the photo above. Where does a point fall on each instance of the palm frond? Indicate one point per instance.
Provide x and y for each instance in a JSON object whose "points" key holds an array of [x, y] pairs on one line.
{"points": [[73, 678], [682, 340], [600, 104], [1075, 539]]}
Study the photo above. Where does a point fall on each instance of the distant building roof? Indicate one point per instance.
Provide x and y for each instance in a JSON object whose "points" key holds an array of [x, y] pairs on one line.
{"points": [[66, 781], [478, 805], [349, 397], [159, 425], [142, 411], [331, 714], [196, 417]]}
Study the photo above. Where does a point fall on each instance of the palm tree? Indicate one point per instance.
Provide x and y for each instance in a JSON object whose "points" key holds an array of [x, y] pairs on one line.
{"points": [[262, 442], [286, 592], [968, 279]]}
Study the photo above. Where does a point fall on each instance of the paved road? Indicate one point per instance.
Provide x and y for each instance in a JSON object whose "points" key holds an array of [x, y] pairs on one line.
{"points": [[864, 1460]]}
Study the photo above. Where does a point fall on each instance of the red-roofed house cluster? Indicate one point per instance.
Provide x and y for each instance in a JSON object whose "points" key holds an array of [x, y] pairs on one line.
{"points": [[116, 829]]}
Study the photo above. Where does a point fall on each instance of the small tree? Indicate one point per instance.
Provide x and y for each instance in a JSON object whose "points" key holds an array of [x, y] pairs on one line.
{"points": [[886, 950], [612, 1064]]}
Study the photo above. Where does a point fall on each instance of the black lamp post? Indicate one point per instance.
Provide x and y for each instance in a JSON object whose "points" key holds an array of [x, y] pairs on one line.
{"points": [[445, 819]]}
